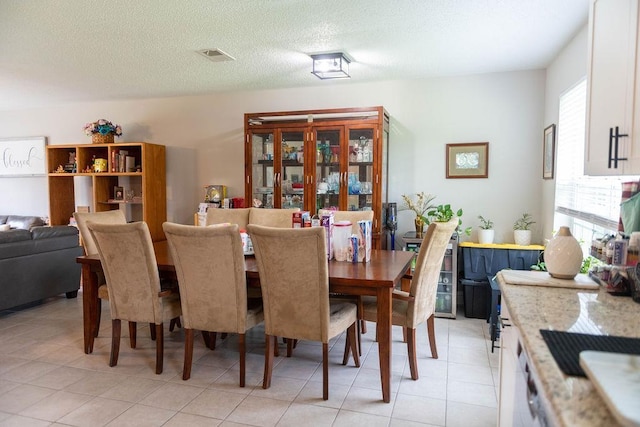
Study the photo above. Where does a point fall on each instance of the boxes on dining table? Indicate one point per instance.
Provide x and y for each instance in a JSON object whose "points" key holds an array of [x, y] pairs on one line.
{"points": [[326, 221], [364, 241], [301, 219]]}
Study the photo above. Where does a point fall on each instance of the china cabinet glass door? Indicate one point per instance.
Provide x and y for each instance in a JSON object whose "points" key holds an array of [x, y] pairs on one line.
{"points": [[262, 169], [329, 175], [290, 177], [360, 173]]}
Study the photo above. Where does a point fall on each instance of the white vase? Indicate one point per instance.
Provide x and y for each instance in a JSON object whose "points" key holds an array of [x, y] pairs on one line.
{"points": [[522, 237], [485, 237], [563, 255]]}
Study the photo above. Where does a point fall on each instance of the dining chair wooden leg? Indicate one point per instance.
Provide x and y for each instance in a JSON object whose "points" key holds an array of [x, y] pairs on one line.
{"points": [[411, 350], [212, 340], [268, 360], [359, 335], [206, 337], [159, 348], [243, 353], [276, 350], [289, 347], [115, 342], [152, 330], [188, 354], [133, 326], [174, 322], [325, 371], [404, 334], [363, 326], [431, 331], [352, 346], [96, 327]]}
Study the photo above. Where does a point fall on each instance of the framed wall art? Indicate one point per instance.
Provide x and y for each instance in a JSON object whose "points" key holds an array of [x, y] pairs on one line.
{"points": [[549, 152], [22, 156], [468, 160]]}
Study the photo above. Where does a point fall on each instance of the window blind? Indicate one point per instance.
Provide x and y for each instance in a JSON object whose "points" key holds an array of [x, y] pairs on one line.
{"points": [[590, 199]]}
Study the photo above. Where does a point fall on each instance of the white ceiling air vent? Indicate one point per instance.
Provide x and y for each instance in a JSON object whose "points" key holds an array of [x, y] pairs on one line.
{"points": [[215, 55]]}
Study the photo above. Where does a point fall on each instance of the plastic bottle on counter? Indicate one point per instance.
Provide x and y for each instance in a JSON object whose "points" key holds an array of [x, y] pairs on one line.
{"points": [[608, 251], [620, 251], [632, 255]]}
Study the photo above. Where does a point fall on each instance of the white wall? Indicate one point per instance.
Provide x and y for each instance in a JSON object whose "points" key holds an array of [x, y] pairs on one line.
{"points": [[204, 135], [567, 69]]}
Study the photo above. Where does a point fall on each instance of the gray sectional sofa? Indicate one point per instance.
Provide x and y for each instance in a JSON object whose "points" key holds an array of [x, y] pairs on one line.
{"points": [[37, 261]]}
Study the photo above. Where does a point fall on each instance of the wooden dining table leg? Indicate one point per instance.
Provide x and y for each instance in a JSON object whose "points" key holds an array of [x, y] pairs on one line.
{"points": [[90, 303], [383, 328]]}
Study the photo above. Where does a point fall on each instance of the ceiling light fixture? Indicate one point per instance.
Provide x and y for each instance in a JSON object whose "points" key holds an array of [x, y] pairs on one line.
{"points": [[331, 66]]}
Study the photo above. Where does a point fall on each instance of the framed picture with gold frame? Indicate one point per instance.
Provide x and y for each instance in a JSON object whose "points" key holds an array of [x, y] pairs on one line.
{"points": [[549, 152], [468, 160]]}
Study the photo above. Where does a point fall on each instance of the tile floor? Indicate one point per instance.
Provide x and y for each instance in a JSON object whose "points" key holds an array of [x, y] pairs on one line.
{"points": [[46, 379]]}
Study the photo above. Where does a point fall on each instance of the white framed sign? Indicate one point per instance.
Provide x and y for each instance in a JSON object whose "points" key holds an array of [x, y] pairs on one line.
{"points": [[22, 156]]}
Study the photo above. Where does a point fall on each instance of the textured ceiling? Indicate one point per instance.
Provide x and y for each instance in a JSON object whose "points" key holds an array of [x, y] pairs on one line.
{"points": [[59, 51]]}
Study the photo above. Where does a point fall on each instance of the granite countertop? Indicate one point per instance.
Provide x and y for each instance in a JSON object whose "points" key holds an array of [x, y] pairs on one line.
{"points": [[574, 400]]}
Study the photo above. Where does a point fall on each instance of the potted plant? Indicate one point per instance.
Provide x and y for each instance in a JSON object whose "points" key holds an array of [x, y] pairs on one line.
{"points": [[522, 230], [486, 232], [443, 213], [102, 131], [419, 206]]}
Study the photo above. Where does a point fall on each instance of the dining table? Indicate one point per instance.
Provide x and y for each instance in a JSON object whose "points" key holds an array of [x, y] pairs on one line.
{"points": [[378, 278]]}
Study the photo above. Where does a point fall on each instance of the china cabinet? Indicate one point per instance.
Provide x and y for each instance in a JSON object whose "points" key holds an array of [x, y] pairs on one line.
{"points": [[446, 295], [613, 112], [130, 176], [318, 159]]}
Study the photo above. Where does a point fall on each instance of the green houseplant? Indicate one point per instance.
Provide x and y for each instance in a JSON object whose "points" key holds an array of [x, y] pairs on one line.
{"points": [[486, 232], [443, 213], [522, 229]]}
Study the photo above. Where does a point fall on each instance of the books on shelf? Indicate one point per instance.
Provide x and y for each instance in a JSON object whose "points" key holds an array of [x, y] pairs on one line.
{"points": [[122, 162]]}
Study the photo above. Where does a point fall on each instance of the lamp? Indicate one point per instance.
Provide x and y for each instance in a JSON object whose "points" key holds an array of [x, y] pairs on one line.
{"points": [[331, 66]]}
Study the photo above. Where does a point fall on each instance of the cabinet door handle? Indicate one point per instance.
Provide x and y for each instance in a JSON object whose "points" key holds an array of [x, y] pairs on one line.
{"points": [[614, 139], [610, 147]]}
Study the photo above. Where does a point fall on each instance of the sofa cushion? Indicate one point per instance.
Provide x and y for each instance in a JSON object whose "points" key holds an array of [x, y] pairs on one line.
{"points": [[44, 232], [3, 219], [24, 222], [45, 239], [280, 218], [14, 236], [5, 227]]}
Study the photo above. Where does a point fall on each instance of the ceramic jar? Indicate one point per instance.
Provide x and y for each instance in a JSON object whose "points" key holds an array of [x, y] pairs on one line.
{"points": [[563, 255]]}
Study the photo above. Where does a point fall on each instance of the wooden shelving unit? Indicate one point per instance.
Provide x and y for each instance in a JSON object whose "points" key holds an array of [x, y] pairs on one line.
{"points": [[147, 179]]}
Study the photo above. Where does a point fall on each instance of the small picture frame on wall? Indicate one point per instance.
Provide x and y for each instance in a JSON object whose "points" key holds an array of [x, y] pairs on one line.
{"points": [[118, 194], [468, 160], [549, 152]]}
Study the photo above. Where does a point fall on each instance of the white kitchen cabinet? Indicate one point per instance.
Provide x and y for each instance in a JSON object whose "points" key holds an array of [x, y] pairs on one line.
{"points": [[508, 370], [613, 104]]}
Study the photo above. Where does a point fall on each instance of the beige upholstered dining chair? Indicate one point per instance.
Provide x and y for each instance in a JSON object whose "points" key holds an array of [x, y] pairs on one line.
{"points": [[209, 264], [410, 309], [294, 276], [353, 217], [131, 270], [232, 216], [90, 248]]}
